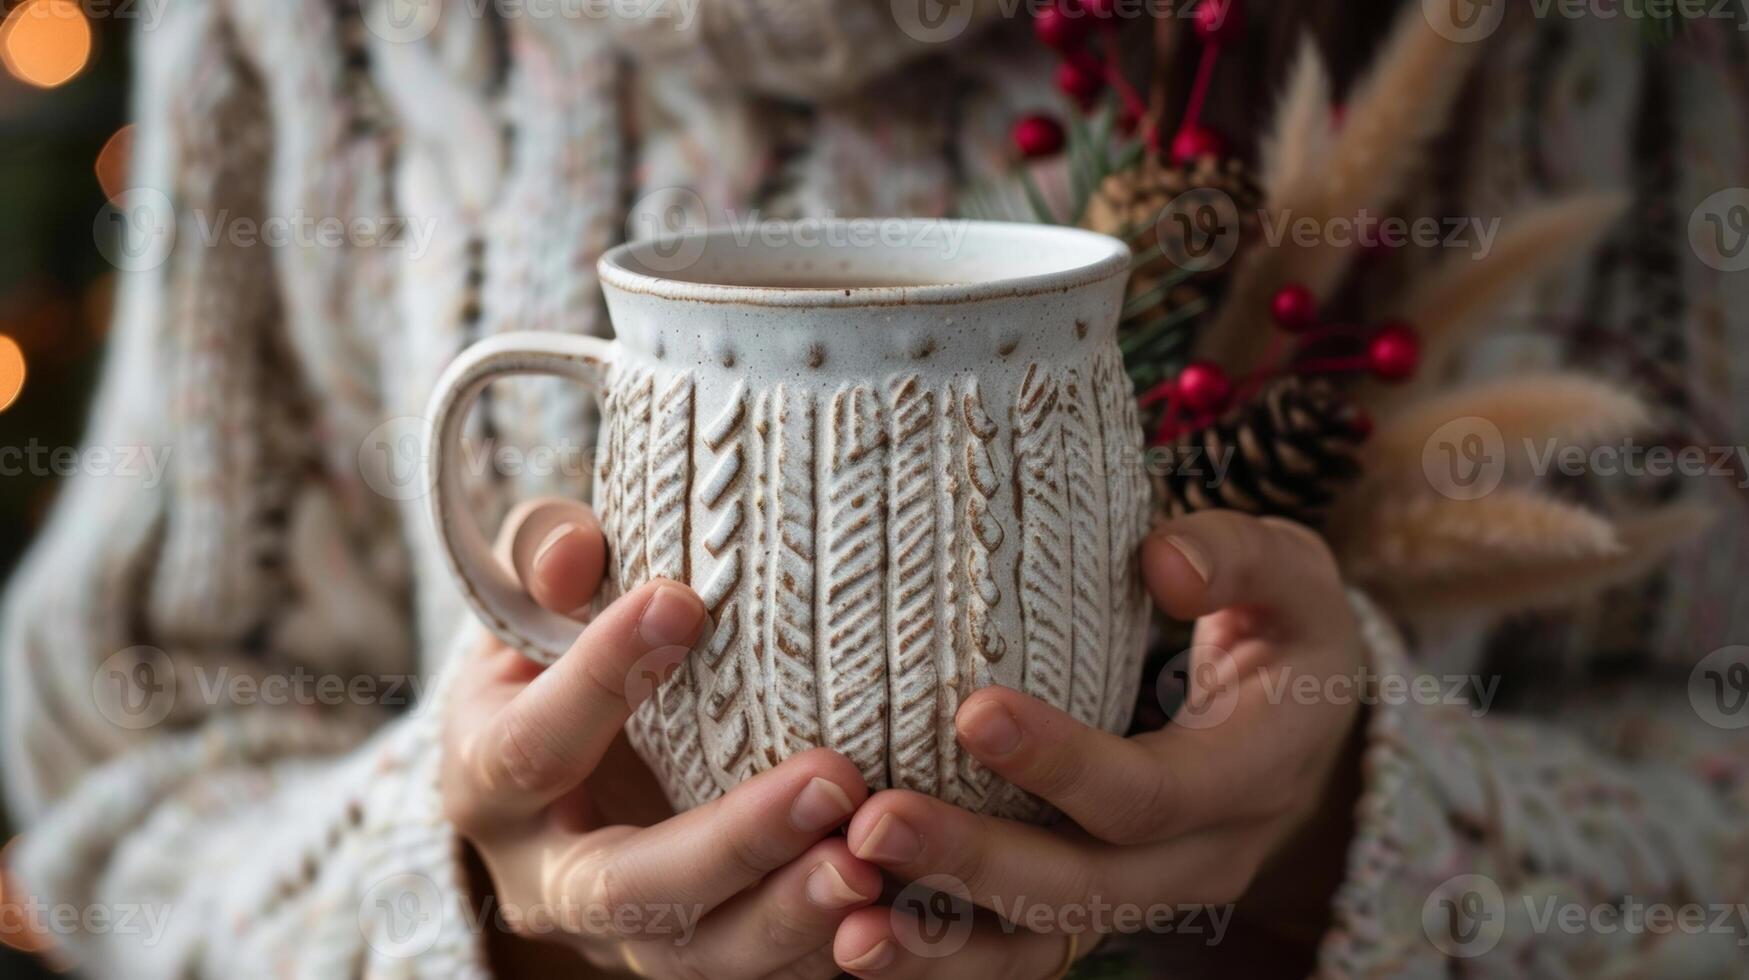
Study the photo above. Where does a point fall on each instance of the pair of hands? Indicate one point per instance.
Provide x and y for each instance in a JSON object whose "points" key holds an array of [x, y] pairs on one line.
{"points": [[582, 850]]}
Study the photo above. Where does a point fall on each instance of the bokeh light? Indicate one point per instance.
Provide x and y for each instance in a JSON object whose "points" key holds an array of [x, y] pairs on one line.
{"points": [[113, 160], [45, 42], [11, 371], [16, 927]]}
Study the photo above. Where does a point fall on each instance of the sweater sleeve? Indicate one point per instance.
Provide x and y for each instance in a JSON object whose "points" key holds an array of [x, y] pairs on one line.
{"points": [[803, 50], [1495, 846], [218, 741]]}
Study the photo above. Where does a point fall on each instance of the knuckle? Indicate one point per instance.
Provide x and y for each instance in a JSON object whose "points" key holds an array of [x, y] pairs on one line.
{"points": [[786, 928], [688, 962], [1308, 543], [1135, 818], [753, 853], [604, 894], [521, 756]]}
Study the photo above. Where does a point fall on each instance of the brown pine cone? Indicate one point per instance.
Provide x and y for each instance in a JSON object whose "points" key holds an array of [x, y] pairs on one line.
{"points": [[1286, 452], [1221, 215], [1129, 204]]}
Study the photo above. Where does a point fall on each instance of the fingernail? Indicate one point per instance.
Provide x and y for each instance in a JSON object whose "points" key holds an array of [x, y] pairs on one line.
{"points": [[827, 888], [876, 958], [1193, 555], [891, 842], [671, 618], [551, 541], [989, 729], [820, 805]]}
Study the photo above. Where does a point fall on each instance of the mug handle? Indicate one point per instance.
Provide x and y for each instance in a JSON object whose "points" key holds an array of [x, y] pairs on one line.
{"points": [[501, 602]]}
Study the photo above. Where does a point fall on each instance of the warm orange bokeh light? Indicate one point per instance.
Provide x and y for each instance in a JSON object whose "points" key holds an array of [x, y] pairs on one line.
{"points": [[11, 371], [45, 42], [112, 162], [16, 928]]}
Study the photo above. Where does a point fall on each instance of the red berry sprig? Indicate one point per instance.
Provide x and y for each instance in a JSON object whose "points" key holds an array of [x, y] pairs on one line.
{"points": [[1066, 27], [1037, 136], [1392, 352], [1218, 23], [1294, 308]]}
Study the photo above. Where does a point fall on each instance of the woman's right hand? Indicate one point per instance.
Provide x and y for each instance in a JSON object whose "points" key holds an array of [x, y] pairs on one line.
{"points": [[536, 776]]}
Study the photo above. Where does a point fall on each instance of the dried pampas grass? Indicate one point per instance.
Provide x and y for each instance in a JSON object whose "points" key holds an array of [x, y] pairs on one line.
{"points": [[1542, 411], [1522, 583], [1452, 303], [1392, 115]]}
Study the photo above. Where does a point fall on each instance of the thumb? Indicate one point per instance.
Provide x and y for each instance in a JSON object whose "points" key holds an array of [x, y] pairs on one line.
{"points": [[555, 549], [1215, 560]]}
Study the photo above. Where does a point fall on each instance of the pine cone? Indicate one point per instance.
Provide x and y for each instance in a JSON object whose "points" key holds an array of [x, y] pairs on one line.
{"points": [[1286, 452], [1129, 203]]}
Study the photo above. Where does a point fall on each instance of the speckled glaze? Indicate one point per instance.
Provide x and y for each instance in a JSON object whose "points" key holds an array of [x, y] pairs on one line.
{"points": [[887, 495]]}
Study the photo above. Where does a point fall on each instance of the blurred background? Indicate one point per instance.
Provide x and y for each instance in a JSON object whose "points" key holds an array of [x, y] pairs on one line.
{"points": [[63, 149]]}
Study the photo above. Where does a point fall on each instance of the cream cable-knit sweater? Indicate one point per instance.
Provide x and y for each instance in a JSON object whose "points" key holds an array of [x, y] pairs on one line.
{"points": [[298, 833]]}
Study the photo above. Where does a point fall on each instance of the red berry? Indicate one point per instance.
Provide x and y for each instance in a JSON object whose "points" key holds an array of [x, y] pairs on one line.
{"points": [[1038, 136], [1394, 353], [1060, 28], [1204, 387], [1195, 142], [1079, 83], [1219, 21], [1294, 308]]}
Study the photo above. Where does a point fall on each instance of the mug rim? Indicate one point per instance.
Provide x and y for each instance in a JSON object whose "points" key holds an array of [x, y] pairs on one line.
{"points": [[614, 271]]}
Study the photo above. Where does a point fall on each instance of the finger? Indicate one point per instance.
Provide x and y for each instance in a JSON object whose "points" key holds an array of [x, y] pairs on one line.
{"points": [[793, 914], [919, 838], [556, 550], [707, 855], [552, 734], [1214, 560], [817, 965], [895, 944], [1114, 788]]}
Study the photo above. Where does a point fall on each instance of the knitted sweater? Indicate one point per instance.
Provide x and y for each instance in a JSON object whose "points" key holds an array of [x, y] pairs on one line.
{"points": [[222, 691]]}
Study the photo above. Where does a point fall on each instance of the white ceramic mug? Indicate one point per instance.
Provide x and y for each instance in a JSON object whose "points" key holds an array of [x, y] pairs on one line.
{"points": [[898, 460]]}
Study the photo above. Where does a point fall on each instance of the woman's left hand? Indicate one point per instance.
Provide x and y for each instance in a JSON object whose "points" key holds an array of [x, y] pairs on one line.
{"points": [[1210, 809]]}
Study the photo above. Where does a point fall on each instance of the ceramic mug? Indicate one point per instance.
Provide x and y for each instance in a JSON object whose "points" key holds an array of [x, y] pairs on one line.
{"points": [[897, 465]]}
